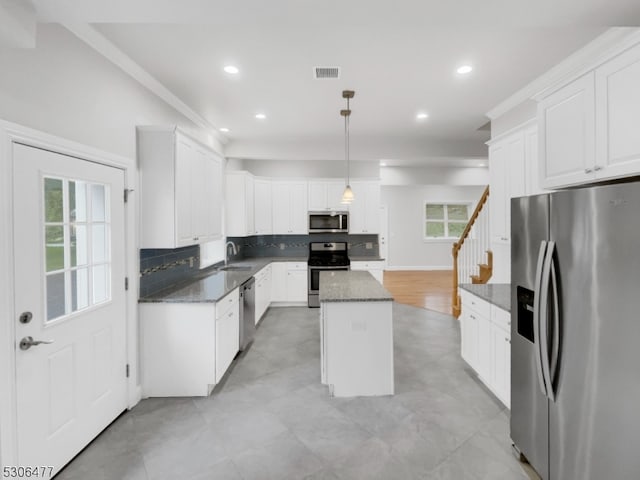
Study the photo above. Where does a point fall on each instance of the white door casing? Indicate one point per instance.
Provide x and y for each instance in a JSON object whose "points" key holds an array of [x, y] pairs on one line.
{"points": [[384, 235], [67, 391]]}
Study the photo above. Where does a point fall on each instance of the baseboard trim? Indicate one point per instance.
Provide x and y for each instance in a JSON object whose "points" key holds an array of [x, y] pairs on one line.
{"points": [[419, 267]]}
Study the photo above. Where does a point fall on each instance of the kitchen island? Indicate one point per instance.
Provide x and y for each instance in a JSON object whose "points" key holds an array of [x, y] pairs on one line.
{"points": [[356, 334]]}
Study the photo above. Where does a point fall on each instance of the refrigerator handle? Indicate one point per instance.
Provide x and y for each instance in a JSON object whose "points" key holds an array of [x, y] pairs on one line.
{"points": [[536, 315], [555, 352], [544, 319]]}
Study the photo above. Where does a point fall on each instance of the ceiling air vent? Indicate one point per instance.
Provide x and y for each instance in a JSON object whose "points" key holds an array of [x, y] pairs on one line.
{"points": [[321, 73]]}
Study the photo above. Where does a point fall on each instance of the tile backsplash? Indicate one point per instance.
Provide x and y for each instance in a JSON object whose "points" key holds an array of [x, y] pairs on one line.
{"points": [[298, 245], [163, 268]]}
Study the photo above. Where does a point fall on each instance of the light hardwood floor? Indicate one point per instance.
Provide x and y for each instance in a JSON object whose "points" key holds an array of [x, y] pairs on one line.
{"points": [[431, 289]]}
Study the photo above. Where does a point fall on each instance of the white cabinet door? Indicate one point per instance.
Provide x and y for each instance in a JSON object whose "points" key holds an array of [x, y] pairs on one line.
{"points": [[297, 290], [227, 340], [290, 207], [279, 282], [483, 366], [498, 197], [317, 195], [184, 176], [469, 338], [375, 268], [566, 121], [249, 205], [501, 363], [263, 209], [199, 186], [532, 162], [365, 210], [335, 190], [239, 199], [618, 116]]}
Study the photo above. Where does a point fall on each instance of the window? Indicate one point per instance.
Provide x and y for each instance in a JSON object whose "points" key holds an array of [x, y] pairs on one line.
{"points": [[76, 244], [445, 220]]}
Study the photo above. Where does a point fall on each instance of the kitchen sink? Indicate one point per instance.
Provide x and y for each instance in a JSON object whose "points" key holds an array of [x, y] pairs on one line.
{"points": [[237, 268]]}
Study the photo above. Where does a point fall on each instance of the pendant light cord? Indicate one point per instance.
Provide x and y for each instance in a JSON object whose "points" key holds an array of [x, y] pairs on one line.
{"points": [[346, 140]]}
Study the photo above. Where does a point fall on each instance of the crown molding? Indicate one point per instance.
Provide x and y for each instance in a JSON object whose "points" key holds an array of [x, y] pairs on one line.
{"points": [[610, 43], [111, 52]]}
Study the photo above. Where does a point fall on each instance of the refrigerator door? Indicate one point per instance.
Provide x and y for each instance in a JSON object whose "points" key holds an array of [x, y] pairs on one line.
{"points": [[529, 406], [594, 421]]}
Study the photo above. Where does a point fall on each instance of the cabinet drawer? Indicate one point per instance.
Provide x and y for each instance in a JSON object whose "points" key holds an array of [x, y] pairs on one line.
{"points": [[296, 265], [224, 305], [472, 302], [373, 265], [501, 318]]}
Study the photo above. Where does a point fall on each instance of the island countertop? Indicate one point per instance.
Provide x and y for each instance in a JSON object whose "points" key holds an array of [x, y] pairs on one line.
{"points": [[351, 286]]}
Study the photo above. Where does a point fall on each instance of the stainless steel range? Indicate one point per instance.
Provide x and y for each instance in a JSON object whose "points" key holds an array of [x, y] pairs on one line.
{"points": [[324, 256]]}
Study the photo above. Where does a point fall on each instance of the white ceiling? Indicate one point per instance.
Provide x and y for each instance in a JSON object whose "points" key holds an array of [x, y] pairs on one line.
{"points": [[400, 58]]}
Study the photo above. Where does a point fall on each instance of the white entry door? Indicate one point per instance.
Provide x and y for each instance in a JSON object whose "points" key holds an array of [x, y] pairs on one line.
{"points": [[70, 295]]}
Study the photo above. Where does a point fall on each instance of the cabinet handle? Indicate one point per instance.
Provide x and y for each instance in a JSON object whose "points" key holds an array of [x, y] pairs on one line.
{"points": [[472, 317], [598, 168], [230, 314], [588, 170]]}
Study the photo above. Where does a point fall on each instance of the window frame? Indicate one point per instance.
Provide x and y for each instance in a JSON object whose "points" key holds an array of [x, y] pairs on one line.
{"points": [[446, 237]]}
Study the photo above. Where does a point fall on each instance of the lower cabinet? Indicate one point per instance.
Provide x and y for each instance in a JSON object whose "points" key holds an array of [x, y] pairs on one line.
{"points": [[187, 347], [263, 291], [375, 268], [486, 344], [289, 282]]}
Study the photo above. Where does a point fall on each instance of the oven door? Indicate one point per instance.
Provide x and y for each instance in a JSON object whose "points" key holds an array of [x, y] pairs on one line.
{"points": [[314, 282]]}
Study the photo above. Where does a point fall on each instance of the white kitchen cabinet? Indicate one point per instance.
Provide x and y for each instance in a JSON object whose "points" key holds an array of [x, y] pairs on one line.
{"points": [[263, 292], [290, 199], [365, 210], [239, 202], [374, 267], [289, 282], [180, 201], [263, 206], [507, 180], [486, 343], [566, 129], [532, 162], [617, 96], [326, 195], [227, 332]]}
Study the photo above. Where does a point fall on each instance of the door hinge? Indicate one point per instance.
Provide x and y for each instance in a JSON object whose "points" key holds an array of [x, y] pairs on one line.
{"points": [[126, 283], [127, 191], [127, 370]]}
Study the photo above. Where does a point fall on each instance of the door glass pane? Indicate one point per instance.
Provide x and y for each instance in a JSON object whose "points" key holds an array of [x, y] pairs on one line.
{"points": [[55, 295], [79, 245], [457, 212], [79, 289], [435, 212], [53, 200], [98, 203], [54, 246], [99, 243], [100, 283], [77, 201]]}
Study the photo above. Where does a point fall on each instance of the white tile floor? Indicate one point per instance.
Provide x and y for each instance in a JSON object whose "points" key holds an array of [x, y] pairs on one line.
{"points": [[272, 419]]}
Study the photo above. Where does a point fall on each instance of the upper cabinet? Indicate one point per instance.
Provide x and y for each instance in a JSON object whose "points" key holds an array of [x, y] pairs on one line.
{"points": [[617, 90], [566, 121], [326, 195], [589, 128], [290, 207], [263, 210], [364, 214], [181, 189], [240, 217]]}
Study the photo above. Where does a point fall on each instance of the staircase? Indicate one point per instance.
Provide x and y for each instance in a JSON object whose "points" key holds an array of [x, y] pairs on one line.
{"points": [[472, 259]]}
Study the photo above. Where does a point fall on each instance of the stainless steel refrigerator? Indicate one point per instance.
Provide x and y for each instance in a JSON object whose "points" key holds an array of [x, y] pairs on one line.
{"points": [[575, 340]]}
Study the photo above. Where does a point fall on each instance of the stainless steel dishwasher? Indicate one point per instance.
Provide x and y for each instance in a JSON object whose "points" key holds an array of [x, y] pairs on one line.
{"points": [[247, 313]]}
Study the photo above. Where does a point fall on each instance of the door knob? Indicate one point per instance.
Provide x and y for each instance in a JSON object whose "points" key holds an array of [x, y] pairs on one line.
{"points": [[27, 342]]}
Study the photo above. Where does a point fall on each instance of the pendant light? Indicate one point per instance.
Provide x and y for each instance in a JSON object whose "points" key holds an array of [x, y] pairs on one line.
{"points": [[347, 196]]}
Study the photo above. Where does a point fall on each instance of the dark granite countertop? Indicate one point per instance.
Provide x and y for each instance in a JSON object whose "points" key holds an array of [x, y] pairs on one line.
{"points": [[360, 258], [498, 294], [351, 286], [211, 285]]}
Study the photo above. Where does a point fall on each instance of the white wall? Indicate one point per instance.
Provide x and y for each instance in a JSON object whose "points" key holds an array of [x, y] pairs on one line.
{"points": [[407, 248], [434, 176], [306, 168], [63, 87]]}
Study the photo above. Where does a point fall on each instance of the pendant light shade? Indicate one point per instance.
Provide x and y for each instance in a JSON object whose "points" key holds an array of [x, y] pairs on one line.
{"points": [[347, 195]]}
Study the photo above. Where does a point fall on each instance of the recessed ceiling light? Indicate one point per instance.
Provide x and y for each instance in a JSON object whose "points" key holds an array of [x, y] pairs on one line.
{"points": [[224, 129], [422, 116], [260, 116], [482, 165], [383, 164], [464, 69], [232, 69]]}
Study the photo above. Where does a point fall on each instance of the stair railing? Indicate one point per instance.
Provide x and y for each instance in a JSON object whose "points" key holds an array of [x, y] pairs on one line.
{"points": [[471, 250]]}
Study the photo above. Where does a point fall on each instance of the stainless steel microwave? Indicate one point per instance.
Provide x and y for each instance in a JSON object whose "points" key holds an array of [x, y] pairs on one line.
{"points": [[328, 222]]}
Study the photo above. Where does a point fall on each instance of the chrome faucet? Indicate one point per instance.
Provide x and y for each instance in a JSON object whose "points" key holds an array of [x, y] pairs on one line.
{"points": [[234, 250]]}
